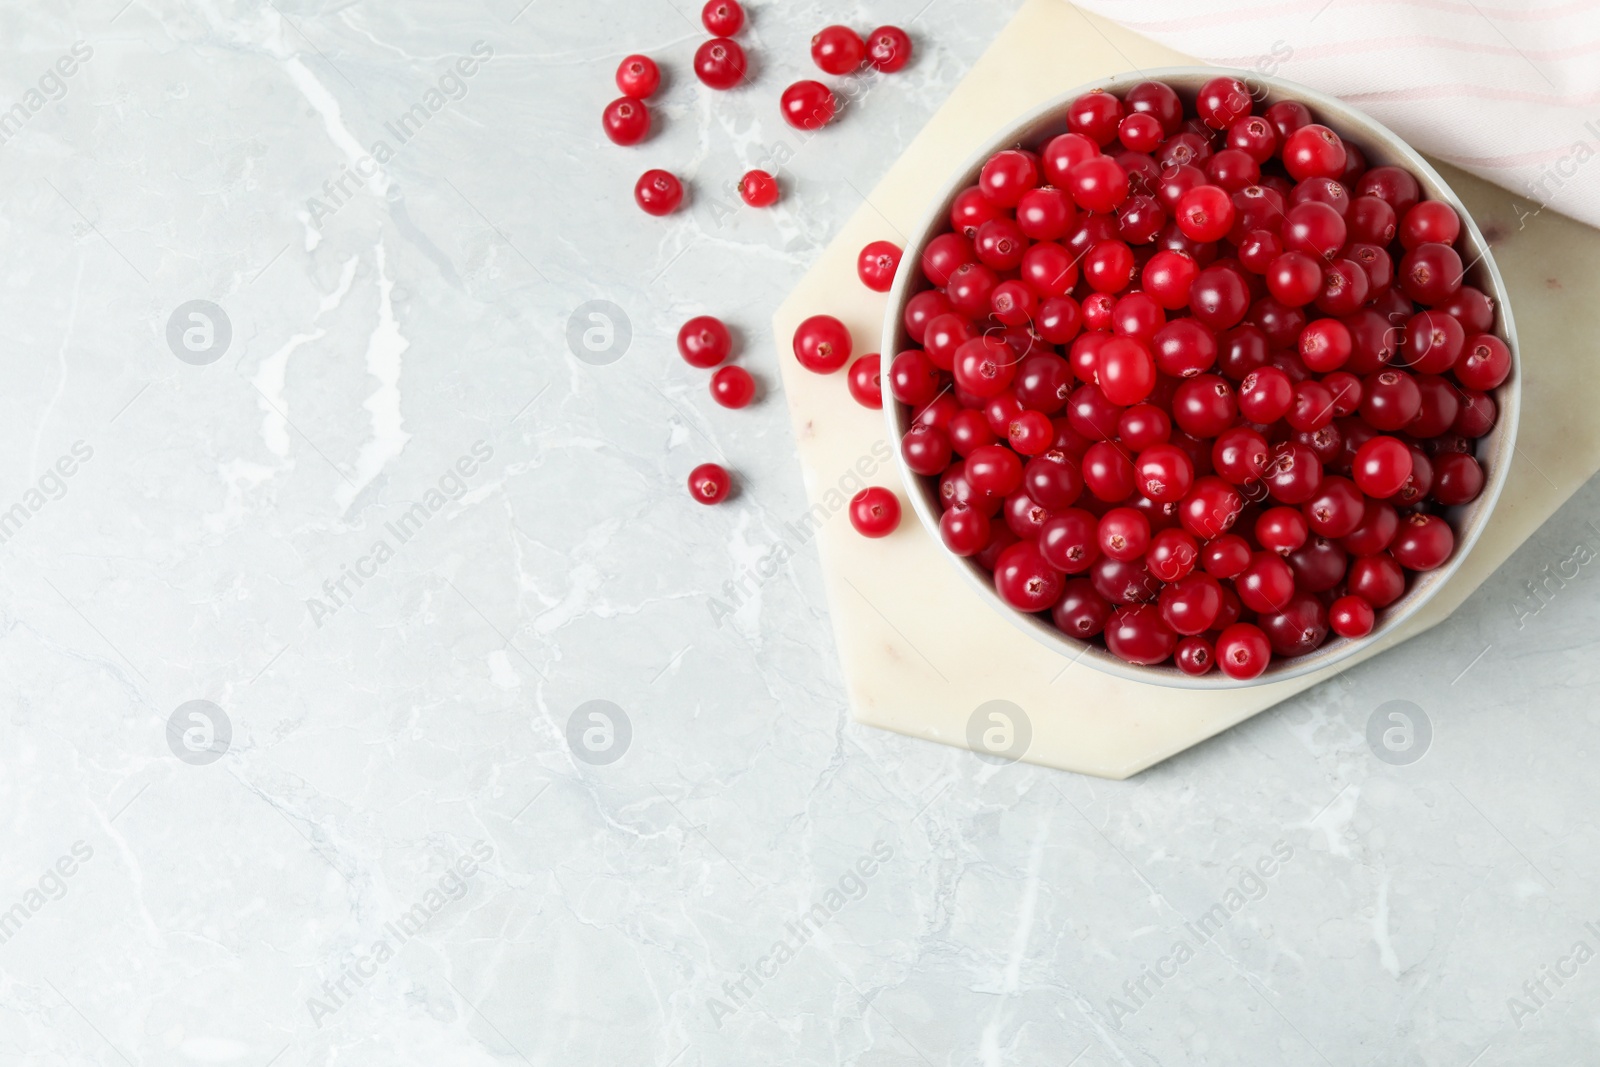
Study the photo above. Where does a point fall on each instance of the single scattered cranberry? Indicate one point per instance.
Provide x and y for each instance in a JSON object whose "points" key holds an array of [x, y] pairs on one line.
{"points": [[822, 344], [626, 121], [1350, 616], [658, 192], [864, 381], [758, 188], [722, 18], [875, 512], [709, 483], [888, 48], [808, 105], [838, 50], [732, 387], [638, 77], [720, 63], [877, 265], [704, 341]]}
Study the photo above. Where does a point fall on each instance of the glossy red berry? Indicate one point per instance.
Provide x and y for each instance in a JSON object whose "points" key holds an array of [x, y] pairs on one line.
{"points": [[1007, 176], [1313, 151], [808, 105], [1485, 362], [1430, 273], [722, 18], [1423, 542], [1138, 634], [709, 483], [865, 382], [1430, 221], [838, 50], [638, 77], [1222, 101], [875, 512], [1350, 616], [758, 188], [626, 121], [704, 341], [732, 387], [658, 192], [822, 344], [1243, 651], [1206, 213], [1025, 580], [888, 48], [1096, 115], [720, 63], [877, 264]]}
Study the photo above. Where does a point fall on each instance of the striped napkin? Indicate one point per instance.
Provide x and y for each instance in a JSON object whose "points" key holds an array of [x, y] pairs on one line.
{"points": [[1510, 93]]}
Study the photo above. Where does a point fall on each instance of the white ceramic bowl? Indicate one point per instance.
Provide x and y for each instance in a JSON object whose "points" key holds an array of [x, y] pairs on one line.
{"points": [[1382, 147]]}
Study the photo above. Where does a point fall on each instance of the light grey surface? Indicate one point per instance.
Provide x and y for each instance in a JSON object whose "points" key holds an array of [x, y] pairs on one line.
{"points": [[429, 711]]}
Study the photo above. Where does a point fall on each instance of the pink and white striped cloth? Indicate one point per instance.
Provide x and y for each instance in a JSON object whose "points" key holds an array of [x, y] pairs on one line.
{"points": [[1508, 91]]}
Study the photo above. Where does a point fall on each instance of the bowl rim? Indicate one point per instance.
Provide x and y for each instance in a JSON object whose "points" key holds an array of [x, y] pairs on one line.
{"points": [[1500, 442]]}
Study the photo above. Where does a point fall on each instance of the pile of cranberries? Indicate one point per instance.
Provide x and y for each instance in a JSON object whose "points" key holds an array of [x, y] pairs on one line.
{"points": [[1198, 383], [720, 63]]}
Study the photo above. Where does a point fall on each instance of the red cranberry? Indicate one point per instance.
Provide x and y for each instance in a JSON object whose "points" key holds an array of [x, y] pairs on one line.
{"points": [[1211, 507], [1378, 526], [709, 483], [1315, 229], [758, 188], [1159, 100], [732, 387], [1107, 472], [704, 341], [1281, 529], [1266, 584], [626, 121], [922, 309], [1293, 473], [1318, 565], [964, 530], [838, 50], [822, 344], [1370, 221], [1140, 132], [638, 77], [1472, 308], [1286, 116], [1065, 152], [1485, 362], [1337, 507], [1223, 101], [1376, 579], [888, 48], [1024, 580], [1167, 278], [1008, 175], [1350, 616], [984, 366], [1204, 405], [877, 265], [1389, 400], [1301, 626], [1190, 605], [1081, 612], [1126, 371], [1243, 651], [1049, 270], [1194, 656], [1226, 556], [1138, 634], [875, 512], [1219, 297], [1124, 534], [658, 192], [1457, 478], [722, 18], [1098, 184], [1096, 114], [1429, 222], [1045, 214], [808, 105], [1477, 415], [1205, 213], [1423, 543], [864, 381], [1313, 152], [720, 63], [1431, 273]]}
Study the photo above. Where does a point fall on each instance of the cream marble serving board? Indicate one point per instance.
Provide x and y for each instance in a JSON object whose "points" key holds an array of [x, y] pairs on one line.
{"points": [[921, 652]]}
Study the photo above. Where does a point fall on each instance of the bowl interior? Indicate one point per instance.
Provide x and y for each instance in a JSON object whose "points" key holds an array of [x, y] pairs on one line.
{"points": [[1381, 147]]}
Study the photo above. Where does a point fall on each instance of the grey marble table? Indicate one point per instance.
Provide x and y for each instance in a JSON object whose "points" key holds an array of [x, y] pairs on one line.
{"points": [[319, 546]]}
